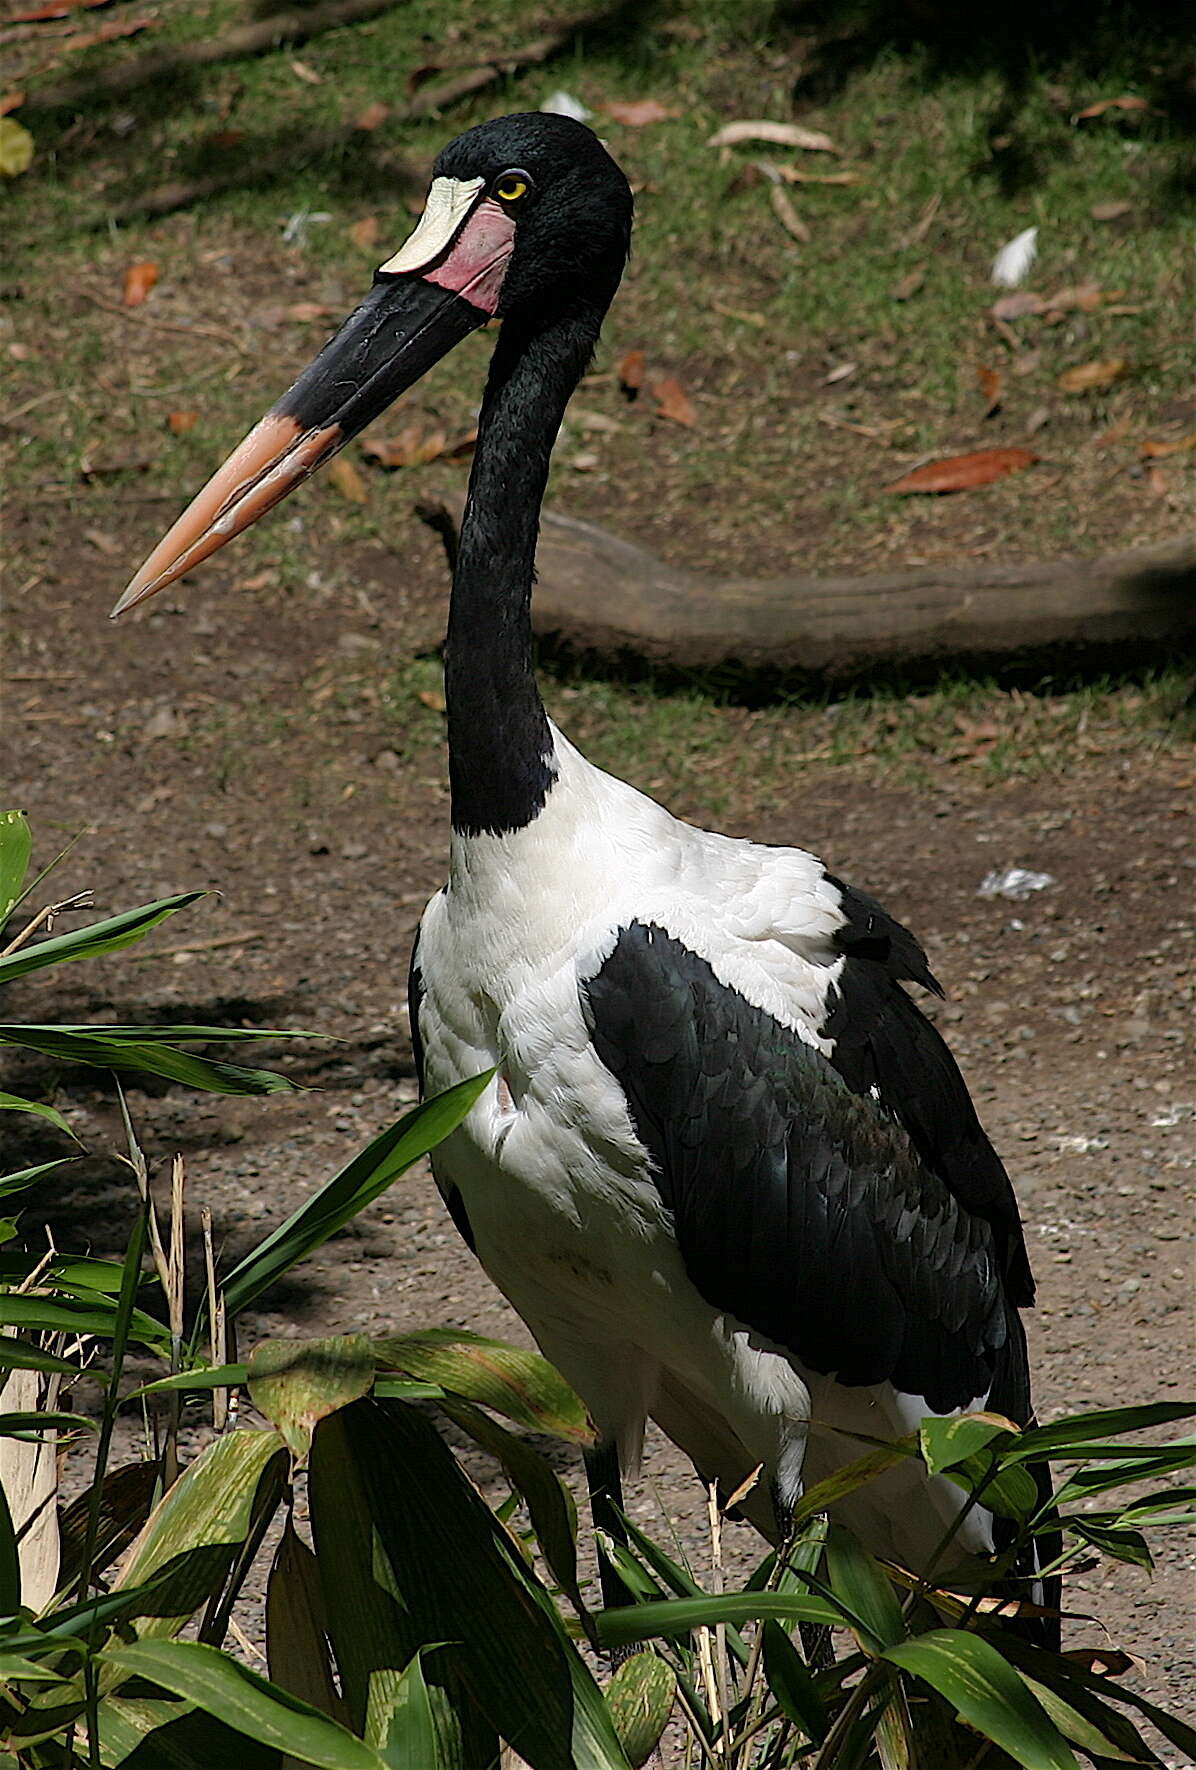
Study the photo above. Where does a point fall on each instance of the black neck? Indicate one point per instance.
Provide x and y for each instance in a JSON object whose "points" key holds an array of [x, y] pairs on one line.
{"points": [[500, 748]]}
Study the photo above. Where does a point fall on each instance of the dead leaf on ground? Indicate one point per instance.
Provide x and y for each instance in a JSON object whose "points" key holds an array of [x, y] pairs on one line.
{"points": [[1092, 377], [1127, 102], [960, 473], [372, 116], [597, 421], [840, 372], [907, 286], [782, 134], [1152, 450], [795, 175], [179, 423], [139, 280], [348, 481], [432, 698], [672, 401], [307, 74], [102, 541], [637, 112], [106, 34], [787, 215], [631, 372], [1111, 211], [1017, 306], [1114, 434], [55, 9], [990, 387], [301, 312], [11, 101], [1158, 482], [414, 446], [364, 233]]}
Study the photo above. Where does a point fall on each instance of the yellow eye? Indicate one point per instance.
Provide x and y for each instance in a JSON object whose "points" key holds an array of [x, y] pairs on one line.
{"points": [[509, 189]]}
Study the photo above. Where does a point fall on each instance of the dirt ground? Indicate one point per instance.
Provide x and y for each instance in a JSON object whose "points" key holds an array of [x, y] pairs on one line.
{"points": [[174, 739]]}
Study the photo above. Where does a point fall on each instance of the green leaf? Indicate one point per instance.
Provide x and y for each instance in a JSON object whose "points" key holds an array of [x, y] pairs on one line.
{"points": [[36, 1424], [197, 1381], [18, 1668], [512, 1381], [1011, 1490], [99, 1050], [297, 1628], [10, 1561], [791, 1684], [1119, 1544], [164, 1733], [640, 1698], [198, 1523], [22, 1355], [1147, 1465], [297, 1383], [16, 850], [14, 1103], [549, 1502], [1084, 1732], [988, 1693], [678, 1616], [455, 1572], [364, 1179], [948, 1441], [126, 1496], [96, 939], [863, 1590], [68, 1315], [411, 1727], [1059, 1438], [1087, 1689], [25, 1177], [845, 1480], [225, 1688]]}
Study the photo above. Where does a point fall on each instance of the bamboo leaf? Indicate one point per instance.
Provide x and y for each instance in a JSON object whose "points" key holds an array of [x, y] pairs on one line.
{"points": [[101, 1051], [126, 1496], [10, 1563], [364, 1179], [678, 1616], [832, 1488], [988, 1693], [297, 1383], [1120, 1544], [69, 1315], [36, 1424], [197, 1380], [97, 938], [640, 1698], [951, 1440], [297, 1630], [512, 1381], [22, 1178], [167, 1733], [411, 1727], [1075, 1431], [16, 850], [549, 1501], [225, 1688], [22, 1355], [14, 1103], [1084, 1732], [791, 1684], [863, 1590]]}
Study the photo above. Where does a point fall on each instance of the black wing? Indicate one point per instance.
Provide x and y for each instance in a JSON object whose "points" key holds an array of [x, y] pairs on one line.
{"points": [[801, 1205]]}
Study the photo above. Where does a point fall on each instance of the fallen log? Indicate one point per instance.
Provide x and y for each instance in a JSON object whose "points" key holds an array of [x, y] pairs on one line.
{"points": [[599, 593]]}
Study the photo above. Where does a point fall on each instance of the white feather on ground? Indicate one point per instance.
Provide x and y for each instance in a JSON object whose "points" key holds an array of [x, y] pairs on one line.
{"points": [[1013, 262]]}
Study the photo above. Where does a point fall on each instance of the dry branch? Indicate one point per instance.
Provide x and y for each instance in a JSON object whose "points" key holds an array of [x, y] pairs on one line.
{"points": [[599, 593]]}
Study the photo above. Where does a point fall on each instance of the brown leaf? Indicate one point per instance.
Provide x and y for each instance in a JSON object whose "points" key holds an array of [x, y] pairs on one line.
{"points": [[139, 280], [372, 116], [11, 101], [1092, 377], [782, 134], [308, 75], [415, 447], [55, 9], [429, 697], [105, 34], [1158, 482], [631, 372], [840, 372], [364, 233], [1111, 211], [795, 175], [1128, 102], [1017, 306], [348, 481], [960, 473], [906, 287], [787, 215], [181, 422], [672, 401], [639, 112], [1153, 451], [302, 312], [990, 387]]}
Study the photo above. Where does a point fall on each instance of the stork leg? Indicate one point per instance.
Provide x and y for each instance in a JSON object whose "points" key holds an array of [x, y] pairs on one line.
{"points": [[606, 1502]]}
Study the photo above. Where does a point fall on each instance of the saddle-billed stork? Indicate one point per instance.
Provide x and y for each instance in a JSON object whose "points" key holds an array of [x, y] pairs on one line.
{"points": [[726, 1171]]}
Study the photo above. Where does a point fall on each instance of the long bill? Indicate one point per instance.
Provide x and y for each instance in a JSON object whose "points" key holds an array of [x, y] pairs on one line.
{"points": [[442, 285]]}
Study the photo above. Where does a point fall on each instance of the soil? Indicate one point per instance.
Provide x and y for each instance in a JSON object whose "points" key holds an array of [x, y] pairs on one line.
{"points": [[174, 740]]}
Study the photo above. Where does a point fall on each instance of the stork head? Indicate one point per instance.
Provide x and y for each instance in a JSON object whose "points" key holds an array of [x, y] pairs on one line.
{"points": [[527, 218]]}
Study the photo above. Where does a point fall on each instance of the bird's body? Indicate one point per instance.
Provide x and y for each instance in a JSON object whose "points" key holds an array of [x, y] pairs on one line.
{"points": [[557, 1190], [725, 1170]]}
